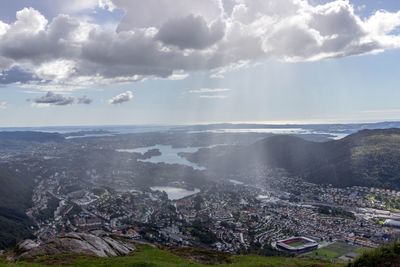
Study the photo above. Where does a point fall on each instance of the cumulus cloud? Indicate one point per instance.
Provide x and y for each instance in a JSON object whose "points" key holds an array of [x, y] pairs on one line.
{"points": [[121, 98], [3, 104], [188, 35], [178, 75], [191, 32], [52, 98], [107, 5]]}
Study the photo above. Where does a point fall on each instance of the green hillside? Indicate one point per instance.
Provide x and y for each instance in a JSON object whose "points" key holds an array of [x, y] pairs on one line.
{"points": [[147, 256], [366, 158], [381, 257]]}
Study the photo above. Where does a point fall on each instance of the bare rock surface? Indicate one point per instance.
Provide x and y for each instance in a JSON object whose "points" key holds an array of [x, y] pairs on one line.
{"points": [[77, 243], [27, 245]]}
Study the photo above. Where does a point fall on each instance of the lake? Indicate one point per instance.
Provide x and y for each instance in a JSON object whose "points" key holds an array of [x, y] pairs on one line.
{"points": [[175, 193], [169, 155]]}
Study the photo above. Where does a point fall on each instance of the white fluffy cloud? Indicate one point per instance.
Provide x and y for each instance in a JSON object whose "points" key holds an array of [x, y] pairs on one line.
{"points": [[121, 98], [185, 36]]}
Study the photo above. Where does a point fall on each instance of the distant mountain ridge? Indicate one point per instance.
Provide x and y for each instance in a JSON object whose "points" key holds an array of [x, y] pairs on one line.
{"points": [[336, 127], [30, 136], [19, 139]]}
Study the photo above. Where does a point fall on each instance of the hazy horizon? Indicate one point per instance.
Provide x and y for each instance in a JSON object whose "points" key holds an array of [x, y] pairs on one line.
{"points": [[261, 123]]}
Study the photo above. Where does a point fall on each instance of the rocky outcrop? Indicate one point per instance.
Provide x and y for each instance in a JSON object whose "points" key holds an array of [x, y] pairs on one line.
{"points": [[77, 243], [27, 245]]}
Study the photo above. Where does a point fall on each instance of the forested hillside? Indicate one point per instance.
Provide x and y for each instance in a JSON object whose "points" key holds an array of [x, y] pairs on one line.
{"points": [[15, 198]]}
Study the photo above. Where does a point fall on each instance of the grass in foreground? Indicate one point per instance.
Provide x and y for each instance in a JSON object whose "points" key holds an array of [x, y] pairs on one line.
{"points": [[381, 257], [147, 256]]}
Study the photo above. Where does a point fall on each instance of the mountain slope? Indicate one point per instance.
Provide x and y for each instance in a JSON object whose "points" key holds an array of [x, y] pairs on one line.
{"points": [[15, 198], [369, 158]]}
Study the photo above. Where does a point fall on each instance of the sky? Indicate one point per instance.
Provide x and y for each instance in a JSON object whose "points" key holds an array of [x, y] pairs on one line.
{"points": [[126, 62]]}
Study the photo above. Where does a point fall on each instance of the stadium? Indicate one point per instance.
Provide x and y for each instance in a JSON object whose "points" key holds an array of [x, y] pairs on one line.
{"points": [[297, 244]]}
